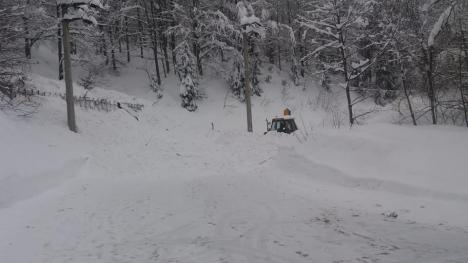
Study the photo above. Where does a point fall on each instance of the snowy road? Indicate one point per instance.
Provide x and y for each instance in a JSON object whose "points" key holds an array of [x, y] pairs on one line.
{"points": [[221, 197]]}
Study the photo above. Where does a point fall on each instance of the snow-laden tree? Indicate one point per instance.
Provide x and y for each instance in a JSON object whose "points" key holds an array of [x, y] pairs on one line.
{"points": [[280, 44], [377, 48], [221, 41], [186, 69], [38, 23], [340, 31], [228, 37], [430, 31], [115, 24], [236, 78], [444, 57], [403, 54], [188, 51], [252, 31], [425, 37], [188, 26], [11, 54]]}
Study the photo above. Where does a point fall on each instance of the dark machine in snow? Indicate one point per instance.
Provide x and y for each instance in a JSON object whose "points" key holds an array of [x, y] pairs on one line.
{"points": [[284, 124]]}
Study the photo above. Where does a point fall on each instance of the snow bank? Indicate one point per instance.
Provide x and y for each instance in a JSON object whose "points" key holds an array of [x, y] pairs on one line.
{"points": [[430, 159], [34, 158]]}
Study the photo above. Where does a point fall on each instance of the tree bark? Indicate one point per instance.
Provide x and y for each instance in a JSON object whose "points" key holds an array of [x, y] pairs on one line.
{"points": [[164, 41], [408, 99], [140, 27], [173, 39], [152, 22], [464, 44], [429, 54], [68, 78], [166, 54], [195, 44], [104, 45], [119, 39], [27, 40], [247, 88], [111, 38], [460, 85], [163, 61], [127, 40], [173, 46], [59, 45], [302, 51], [344, 61], [463, 48], [278, 46]]}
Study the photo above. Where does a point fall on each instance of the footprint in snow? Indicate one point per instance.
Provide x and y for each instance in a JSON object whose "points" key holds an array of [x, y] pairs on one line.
{"points": [[300, 253]]}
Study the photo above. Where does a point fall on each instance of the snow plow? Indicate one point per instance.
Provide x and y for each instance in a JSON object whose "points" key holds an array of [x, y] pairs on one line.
{"points": [[284, 124]]}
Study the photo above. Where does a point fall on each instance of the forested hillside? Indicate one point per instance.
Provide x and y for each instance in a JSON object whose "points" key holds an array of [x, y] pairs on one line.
{"points": [[411, 52]]}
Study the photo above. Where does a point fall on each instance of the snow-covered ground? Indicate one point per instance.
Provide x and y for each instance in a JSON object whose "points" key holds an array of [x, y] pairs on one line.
{"points": [[169, 188]]}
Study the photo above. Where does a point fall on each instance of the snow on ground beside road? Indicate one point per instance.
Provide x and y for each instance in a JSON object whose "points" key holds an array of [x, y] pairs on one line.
{"points": [[33, 161], [168, 188]]}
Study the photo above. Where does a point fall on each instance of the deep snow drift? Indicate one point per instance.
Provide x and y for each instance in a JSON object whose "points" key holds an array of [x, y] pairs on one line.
{"points": [[169, 188]]}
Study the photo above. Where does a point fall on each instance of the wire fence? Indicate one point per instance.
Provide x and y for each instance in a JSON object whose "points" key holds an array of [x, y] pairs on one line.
{"points": [[84, 101]]}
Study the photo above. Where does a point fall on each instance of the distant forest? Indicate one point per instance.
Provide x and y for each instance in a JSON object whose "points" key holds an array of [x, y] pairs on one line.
{"points": [[414, 52]]}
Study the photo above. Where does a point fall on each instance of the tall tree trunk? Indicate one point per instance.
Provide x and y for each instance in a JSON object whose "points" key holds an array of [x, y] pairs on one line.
{"points": [[247, 87], [164, 26], [195, 44], [463, 48], [196, 48], [164, 50], [74, 48], [159, 25], [152, 22], [68, 78], [59, 44], [104, 45], [344, 61], [27, 40], [408, 99], [119, 39], [173, 39], [140, 28], [429, 57], [174, 57], [156, 61], [460, 86], [302, 51], [127, 40], [173, 46], [221, 52], [278, 45], [463, 42], [111, 38], [163, 62], [166, 54]]}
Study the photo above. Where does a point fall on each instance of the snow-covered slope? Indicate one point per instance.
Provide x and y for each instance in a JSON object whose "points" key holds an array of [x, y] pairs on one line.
{"points": [[169, 188]]}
